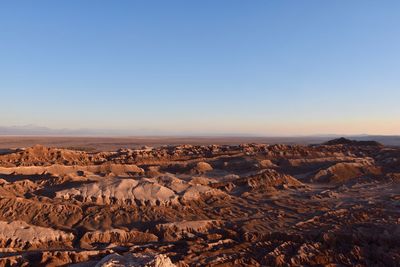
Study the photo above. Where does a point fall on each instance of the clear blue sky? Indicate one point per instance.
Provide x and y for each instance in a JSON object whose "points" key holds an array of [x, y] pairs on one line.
{"points": [[256, 67]]}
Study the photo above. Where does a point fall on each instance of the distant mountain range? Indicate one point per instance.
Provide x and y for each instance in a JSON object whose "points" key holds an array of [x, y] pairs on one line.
{"points": [[34, 130]]}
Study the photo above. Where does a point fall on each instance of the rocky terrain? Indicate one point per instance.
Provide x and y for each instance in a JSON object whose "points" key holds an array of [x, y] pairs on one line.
{"points": [[334, 204]]}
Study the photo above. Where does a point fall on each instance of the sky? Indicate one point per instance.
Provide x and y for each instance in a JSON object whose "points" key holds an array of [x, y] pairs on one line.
{"points": [[202, 67]]}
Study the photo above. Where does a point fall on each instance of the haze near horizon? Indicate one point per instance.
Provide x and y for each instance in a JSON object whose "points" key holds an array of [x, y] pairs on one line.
{"points": [[235, 67]]}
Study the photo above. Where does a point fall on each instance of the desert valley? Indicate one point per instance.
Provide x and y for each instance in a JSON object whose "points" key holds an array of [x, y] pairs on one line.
{"points": [[199, 133], [330, 204]]}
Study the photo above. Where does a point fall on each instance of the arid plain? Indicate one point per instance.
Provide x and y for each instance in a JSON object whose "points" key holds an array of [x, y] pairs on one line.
{"points": [[203, 202]]}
